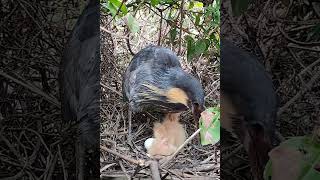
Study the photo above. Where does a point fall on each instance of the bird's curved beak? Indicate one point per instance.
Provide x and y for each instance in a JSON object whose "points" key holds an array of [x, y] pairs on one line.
{"points": [[196, 111]]}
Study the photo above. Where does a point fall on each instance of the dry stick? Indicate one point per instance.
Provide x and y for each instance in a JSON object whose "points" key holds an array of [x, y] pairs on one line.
{"points": [[300, 93], [110, 88], [34, 89], [112, 33], [62, 164], [128, 43], [154, 167], [17, 176], [296, 41], [178, 150], [304, 48], [309, 67], [106, 167], [181, 20], [160, 29], [208, 159], [140, 162], [130, 127], [124, 170]]}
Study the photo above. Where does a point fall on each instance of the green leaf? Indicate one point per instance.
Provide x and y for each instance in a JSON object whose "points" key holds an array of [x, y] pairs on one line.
{"points": [[198, 4], [239, 6], [191, 5], [201, 46], [117, 4], [173, 34], [109, 6], [132, 24], [190, 47], [197, 22], [154, 3], [210, 126], [311, 157]]}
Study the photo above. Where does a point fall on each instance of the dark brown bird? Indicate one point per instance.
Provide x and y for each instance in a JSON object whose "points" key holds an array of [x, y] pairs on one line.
{"points": [[249, 104], [155, 81], [80, 86]]}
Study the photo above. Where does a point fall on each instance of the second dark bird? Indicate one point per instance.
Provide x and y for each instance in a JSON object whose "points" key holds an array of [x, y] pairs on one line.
{"points": [[249, 104]]}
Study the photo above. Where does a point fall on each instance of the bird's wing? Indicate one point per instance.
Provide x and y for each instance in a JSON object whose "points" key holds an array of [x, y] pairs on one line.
{"points": [[80, 76]]}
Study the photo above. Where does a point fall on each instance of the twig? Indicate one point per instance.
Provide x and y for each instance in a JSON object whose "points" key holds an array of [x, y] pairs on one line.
{"points": [[154, 167], [124, 170], [106, 167], [140, 162], [208, 159], [128, 43], [34, 89], [178, 150], [160, 29], [296, 41], [110, 88], [181, 22], [304, 48], [62, 164], [300, 93], [112, 33]]}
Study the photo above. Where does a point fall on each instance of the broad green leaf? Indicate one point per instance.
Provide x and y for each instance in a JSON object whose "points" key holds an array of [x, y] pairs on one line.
{"points": [[109, 6], [239, 6], [311, 157], [155, 2], [190, 47], [173, 34], [210, 126], [200, 47], [132, 24], [117, 4]]}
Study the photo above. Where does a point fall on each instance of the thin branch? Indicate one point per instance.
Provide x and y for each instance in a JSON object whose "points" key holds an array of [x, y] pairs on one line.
{"points": [[34, 89], [181, 22], [139, 162], [160, 29], [300, 93]]}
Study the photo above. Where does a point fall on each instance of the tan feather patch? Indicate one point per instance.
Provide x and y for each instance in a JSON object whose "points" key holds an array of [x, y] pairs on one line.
{"points": [[177, 95]]}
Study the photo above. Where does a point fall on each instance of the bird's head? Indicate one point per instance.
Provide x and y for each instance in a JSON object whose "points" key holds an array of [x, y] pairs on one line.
{"points": [[194, 93]]}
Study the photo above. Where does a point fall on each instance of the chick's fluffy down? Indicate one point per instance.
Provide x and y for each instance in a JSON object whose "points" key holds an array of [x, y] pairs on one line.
{"points": [[168, 136]]}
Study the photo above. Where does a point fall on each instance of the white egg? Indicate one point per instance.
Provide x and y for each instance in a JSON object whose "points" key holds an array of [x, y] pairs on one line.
{"points": [[148, 143]]}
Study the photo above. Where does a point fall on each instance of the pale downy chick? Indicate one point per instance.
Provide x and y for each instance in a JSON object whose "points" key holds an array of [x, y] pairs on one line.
{"points": [[168, 136]]}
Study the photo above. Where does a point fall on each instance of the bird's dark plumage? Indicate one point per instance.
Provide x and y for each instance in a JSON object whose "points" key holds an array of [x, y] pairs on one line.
{"points": [[80, 78], [155, 80], [80, 74], [249, 102]]}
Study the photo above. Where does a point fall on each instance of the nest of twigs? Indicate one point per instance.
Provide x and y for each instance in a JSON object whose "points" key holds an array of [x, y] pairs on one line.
{"points": [[32, 37], [283, 38], [118, 158]]}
